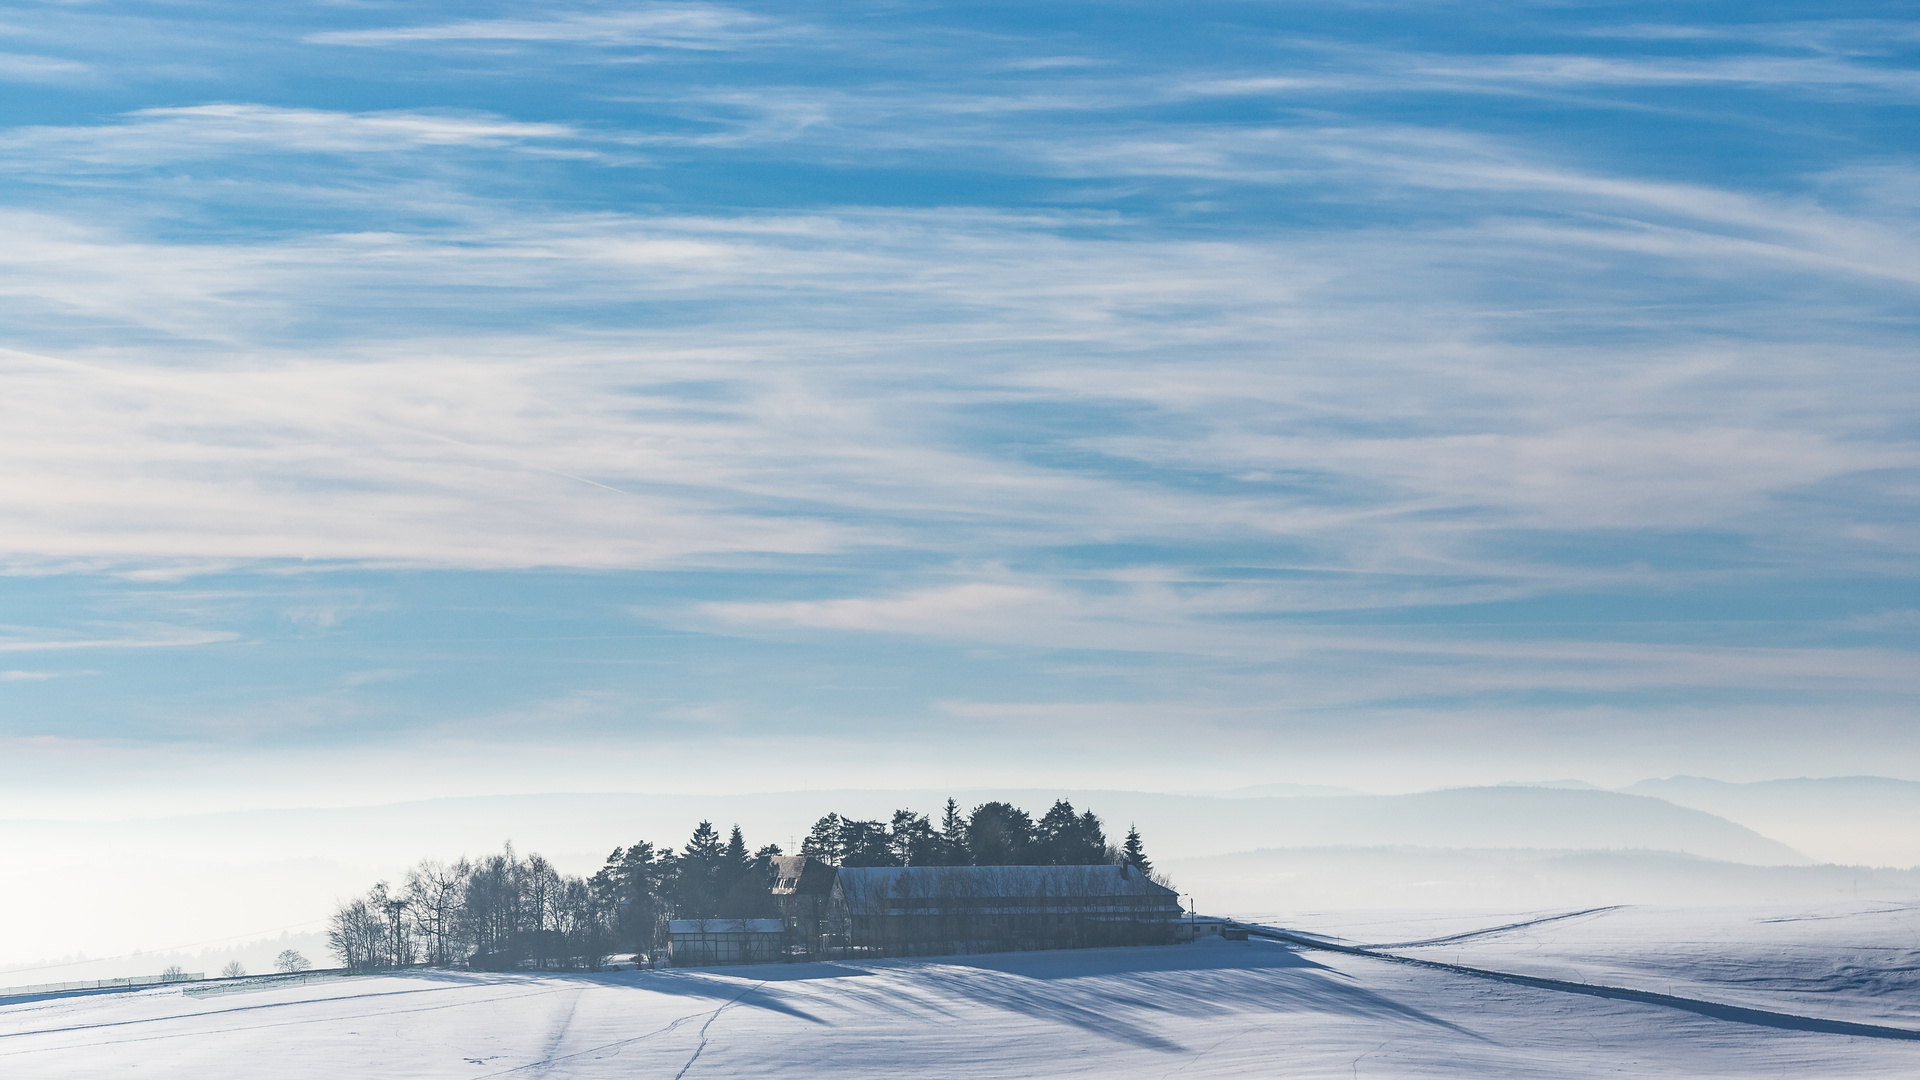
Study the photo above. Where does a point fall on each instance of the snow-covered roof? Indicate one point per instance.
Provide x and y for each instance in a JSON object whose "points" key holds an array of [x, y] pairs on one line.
{"points": [[873, 890], [726, 926], [801, 875]]}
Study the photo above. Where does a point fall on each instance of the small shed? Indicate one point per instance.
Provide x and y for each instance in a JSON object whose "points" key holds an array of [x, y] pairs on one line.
{"points": [[705, 942], [1196, 927]]}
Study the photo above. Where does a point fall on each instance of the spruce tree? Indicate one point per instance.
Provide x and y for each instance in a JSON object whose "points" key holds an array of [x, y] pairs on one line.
{"points": [[953, 837], [1135, 853], [1093, 840], [734, 863], [697, 874]]}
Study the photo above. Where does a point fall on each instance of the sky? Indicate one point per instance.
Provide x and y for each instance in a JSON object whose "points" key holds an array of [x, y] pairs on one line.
{"points": [[402, 400]]}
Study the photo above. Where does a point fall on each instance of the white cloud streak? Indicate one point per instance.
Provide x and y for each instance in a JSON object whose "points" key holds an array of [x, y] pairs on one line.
{"points": [[655, 26], [857, 335], [1312, 666], [28, 68], [158, 639], [216, 131]]}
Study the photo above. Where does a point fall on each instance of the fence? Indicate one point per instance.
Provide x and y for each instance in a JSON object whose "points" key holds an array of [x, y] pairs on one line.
{"points": [[102, 984]]}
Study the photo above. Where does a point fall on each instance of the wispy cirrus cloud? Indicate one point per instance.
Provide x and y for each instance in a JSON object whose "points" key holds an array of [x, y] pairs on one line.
{"points": [[1312, 665], [657, 26], [377, 459], [164, 638], [1396, 73], [148, 136], [27, 67]]}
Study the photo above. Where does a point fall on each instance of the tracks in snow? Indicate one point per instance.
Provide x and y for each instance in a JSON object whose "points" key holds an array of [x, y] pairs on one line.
{"points": [[698, 1050], [1712, 1009], [1491, 930]]}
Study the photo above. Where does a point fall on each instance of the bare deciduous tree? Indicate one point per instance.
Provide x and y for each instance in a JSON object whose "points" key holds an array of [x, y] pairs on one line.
{"points": [[435, 891]]}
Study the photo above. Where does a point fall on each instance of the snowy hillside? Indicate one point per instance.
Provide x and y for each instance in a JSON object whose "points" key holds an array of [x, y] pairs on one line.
{"points": [[1825, 993]]}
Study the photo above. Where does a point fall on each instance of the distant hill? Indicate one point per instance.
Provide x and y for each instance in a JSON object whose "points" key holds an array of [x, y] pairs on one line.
{"points": [[1515, 817], [1279, 881], [1871, 820], [1282, 790]]}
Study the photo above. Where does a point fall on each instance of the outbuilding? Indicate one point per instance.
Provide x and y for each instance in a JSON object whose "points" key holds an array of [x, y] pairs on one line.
{"points": [[706, 942]]}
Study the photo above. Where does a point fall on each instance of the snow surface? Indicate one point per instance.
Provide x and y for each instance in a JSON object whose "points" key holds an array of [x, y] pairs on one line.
{"points": [[1225, 1009]]}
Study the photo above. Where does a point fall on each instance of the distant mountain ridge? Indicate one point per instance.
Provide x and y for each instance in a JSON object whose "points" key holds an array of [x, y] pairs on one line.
{"points": [[1281, 880], [1870, 820]]}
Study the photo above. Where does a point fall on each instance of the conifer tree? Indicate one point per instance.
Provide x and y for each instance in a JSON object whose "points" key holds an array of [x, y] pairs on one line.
{"points": [[1135, 853], [1056, 836], [865, 843], [1092, 840], [912, 839], [823, 842], [734, 862], [953, 836], [999, 834], [697, 877]]}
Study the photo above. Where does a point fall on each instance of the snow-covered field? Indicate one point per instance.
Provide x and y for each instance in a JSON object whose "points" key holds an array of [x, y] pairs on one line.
{"points": [[1827, 992]]}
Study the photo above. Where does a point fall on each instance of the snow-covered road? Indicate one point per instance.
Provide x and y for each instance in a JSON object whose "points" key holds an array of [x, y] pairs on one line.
{"points": [[1220, 1009]]}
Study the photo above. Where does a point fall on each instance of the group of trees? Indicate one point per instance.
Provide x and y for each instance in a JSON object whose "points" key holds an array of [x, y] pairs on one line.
{"points": [[495, 912], [504, 911], [994, 834]]}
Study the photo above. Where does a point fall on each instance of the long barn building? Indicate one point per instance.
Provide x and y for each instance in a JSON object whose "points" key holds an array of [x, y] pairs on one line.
{"points": [[827, 912], [941, 910]]}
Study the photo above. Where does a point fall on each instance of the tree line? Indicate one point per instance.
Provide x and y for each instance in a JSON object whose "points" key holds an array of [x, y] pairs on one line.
{"points": [[505, 911], [994, 834]]}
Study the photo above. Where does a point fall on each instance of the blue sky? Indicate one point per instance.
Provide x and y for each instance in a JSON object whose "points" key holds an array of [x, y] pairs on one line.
{"points": [[424, 398]]}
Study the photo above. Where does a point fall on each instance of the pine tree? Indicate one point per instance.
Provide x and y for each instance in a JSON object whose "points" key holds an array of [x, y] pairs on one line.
{"points": [[1135, 853], [823, 842], [865, 843], [633, 886], [1000, 834], [912, 839], [1056, 836]]}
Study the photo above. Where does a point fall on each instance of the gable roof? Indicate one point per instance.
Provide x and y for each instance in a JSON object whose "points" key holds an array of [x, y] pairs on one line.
{"points": [[800, 875], [875, 890]]}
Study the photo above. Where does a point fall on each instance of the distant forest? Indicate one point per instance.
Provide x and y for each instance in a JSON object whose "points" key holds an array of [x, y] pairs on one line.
{"points": [[503, 911]]}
